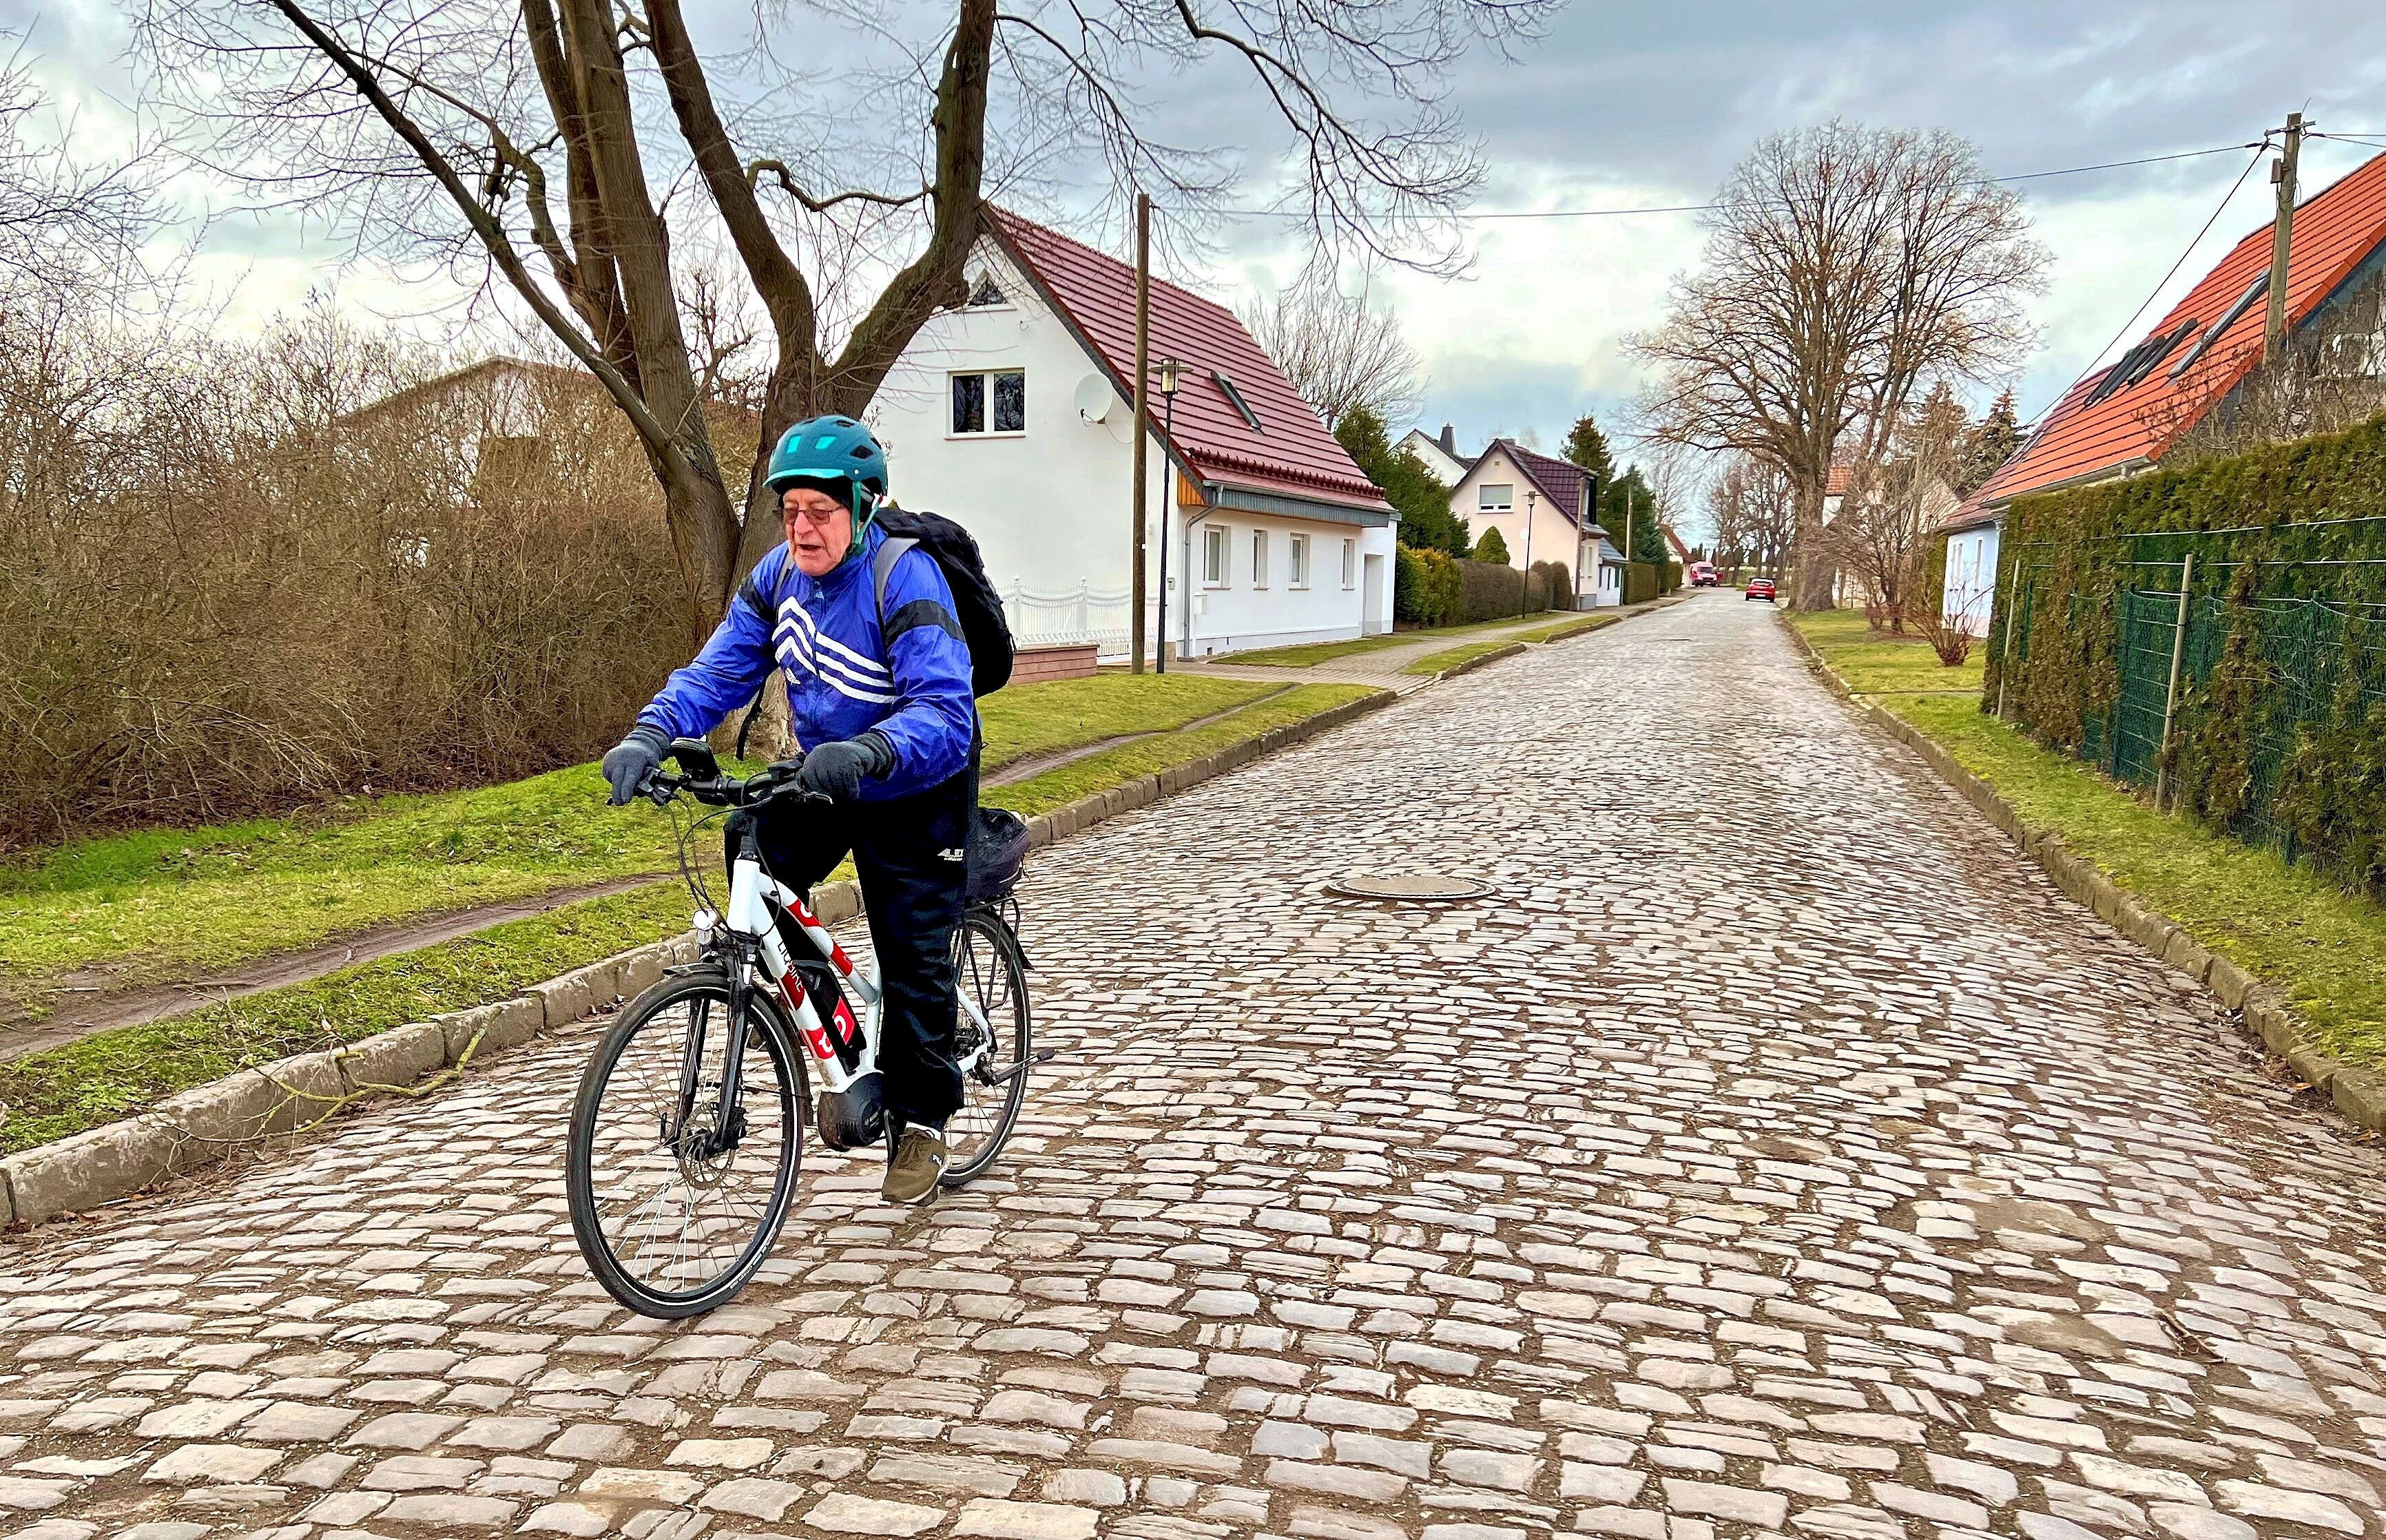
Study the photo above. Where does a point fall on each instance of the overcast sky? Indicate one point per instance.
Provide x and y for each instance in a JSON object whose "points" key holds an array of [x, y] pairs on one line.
{"points": [[1629, 105]]}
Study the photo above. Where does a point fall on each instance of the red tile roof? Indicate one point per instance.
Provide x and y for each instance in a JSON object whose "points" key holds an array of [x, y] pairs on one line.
{"points": [[1291, 454], [2136, 423], [1836, 484]]}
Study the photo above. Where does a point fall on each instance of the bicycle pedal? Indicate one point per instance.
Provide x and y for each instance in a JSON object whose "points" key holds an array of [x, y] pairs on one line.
{"points": [[1044, 1056]]}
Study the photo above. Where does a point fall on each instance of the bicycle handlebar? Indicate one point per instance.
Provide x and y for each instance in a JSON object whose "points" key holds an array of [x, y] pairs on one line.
{"points": [[701, 777]]}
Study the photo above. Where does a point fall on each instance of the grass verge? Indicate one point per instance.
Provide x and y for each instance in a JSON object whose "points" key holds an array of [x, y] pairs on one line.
{"points": [[1450, 657], [2322, 947], [1308, 655], [113, 1074], [164, 905]]}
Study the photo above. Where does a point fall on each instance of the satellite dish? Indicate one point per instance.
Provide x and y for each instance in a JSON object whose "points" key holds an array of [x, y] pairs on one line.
{"points": [[1096, 400]]}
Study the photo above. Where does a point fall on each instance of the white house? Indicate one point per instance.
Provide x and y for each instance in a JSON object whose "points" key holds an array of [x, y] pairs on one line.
{"points": [[1440, 455], [1970, 593], [1012, 415], [1541, 505]]}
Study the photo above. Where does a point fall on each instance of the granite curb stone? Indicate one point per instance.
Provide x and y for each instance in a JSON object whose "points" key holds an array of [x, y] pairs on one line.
{"points": [[2359, 1094]]}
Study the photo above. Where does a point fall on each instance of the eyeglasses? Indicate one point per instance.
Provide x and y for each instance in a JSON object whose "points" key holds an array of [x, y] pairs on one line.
{"points": [[819, 520]]}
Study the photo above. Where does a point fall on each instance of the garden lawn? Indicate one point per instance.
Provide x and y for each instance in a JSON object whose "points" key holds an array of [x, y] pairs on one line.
{"points": [[2323, 948], [169, 905], [1450, 657], [108, 1076], [1874, 664]]}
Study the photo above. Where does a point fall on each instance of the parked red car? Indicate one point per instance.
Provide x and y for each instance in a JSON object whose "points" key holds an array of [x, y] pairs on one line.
{"points": [[1761, 588], [1702, 574]]}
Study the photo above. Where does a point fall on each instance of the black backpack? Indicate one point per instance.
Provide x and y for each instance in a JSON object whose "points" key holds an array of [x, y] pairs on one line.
{"points": [[975, 604]]}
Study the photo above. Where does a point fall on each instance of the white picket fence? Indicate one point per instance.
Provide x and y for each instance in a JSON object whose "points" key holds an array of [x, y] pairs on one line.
{"points": [[1088, 614]]}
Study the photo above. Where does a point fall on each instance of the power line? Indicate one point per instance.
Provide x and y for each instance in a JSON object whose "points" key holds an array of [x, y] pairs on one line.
{"points": [[2128, 325], [1710, 208]]}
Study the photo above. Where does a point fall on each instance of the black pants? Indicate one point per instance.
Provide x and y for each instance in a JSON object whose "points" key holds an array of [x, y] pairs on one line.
{"points": [[914, 883]]}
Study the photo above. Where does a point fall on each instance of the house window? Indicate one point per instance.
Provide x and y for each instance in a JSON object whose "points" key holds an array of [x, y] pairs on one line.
{"points": [[1496, 496], [993, 402], [987, 294], [1214, 556], [1299, 558], [1259, 558], [1350, 564]]}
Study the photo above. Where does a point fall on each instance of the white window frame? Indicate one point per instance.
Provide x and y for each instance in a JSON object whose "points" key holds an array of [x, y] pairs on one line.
{"points": [[1350, 565], [1483, 491], [1216, 556], [1259, 558], [1297, 556], [987, 395]]}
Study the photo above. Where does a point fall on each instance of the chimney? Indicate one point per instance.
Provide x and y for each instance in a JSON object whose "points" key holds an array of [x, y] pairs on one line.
{"points": [[1448, 441]]}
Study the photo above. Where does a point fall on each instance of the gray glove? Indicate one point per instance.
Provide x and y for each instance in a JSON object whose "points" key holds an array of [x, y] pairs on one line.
{"points": [[629, 762], [837, 770]]}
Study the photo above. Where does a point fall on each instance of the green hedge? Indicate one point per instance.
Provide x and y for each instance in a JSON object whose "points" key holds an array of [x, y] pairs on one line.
{"points": [[1642, 581], [2279, 735], [1425, 587]]}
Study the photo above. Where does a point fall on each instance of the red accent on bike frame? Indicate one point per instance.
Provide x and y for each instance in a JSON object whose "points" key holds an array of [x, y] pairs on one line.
{"points": [[835, 953], [815, 1036]]}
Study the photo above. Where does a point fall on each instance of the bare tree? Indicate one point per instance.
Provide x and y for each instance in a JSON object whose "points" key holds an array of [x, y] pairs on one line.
{"points": [[526, 141], [64, 222], [1892, 507], [1342, 355], [1753, 516], [1844, 267]]}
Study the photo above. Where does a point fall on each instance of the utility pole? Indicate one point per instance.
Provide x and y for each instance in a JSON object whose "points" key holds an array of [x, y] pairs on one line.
{"points": [[2283, 171], [1628, 543], [1142, 419]]}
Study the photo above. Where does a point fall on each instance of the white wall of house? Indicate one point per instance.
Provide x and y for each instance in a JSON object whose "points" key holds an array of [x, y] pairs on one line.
{"points": [[1246, 591], [1495, 495], [1971, 589], [1050, 503]]}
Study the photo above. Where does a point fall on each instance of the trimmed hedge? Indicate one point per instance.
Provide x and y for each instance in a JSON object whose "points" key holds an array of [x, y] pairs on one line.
{"points": [[2280, 732], [1430, 588], [1642, 581]]}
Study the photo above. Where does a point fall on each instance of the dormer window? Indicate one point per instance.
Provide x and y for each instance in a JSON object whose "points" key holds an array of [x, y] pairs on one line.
{"points": [[1234, 399], [986, 293]]}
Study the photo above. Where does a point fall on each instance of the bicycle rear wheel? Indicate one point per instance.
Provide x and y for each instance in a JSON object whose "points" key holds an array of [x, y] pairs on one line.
{"points": [[989, 974], [674, 1216]]}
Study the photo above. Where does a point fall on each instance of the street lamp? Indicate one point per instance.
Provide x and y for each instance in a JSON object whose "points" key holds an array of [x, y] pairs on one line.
{"points": [[1525, 589], [1168, 384]]}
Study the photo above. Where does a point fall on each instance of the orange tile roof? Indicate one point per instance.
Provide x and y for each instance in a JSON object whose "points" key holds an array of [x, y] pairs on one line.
{"points": [[2137, 423]]}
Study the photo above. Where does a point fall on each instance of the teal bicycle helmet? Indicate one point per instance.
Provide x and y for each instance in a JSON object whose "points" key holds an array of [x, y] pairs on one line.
{"points": [[836, 454]]}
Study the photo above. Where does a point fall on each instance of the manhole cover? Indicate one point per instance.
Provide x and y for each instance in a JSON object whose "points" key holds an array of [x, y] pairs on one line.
{"points": [[1407, 887]]}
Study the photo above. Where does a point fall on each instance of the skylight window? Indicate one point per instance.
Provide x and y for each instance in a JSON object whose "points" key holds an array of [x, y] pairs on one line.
{"points": [[1234, 399], [2253, 290]]}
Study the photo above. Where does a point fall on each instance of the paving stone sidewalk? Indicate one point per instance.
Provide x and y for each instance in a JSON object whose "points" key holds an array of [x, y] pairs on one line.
{"points": [[1383, 667], [1778, 1155]]}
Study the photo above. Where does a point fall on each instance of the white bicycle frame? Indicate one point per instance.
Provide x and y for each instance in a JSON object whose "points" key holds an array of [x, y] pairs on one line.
{"points": [[750, 891]]}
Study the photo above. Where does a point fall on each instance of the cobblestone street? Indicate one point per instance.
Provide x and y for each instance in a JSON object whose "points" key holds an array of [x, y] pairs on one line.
{"points": [[1775, 1153]]}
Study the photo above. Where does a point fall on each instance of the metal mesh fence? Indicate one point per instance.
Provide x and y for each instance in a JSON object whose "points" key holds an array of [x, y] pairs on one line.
{"points": [[2240, 674]]}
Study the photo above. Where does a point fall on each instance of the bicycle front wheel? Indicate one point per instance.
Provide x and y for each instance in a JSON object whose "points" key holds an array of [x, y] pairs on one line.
{"points": [[674, 1213], [990, 1041]]}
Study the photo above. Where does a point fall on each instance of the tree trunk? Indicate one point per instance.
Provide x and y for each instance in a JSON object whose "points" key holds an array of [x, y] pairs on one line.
{"points": [[1813, 572]]}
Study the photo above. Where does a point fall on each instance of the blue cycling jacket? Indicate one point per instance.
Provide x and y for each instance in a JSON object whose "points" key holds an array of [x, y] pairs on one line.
{"points": [[846, 672]]}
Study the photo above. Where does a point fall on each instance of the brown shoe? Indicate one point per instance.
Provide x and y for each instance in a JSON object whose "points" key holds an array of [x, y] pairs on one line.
{"points": [[919, 1161]]}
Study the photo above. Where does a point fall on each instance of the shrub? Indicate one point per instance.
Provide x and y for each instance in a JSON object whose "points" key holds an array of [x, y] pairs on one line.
{"points": [[224, 590], [1425, 587], [1672, 577], [2276, 736], [1553, 586], [1640, 582], [1489, 591], [1491, 547]]}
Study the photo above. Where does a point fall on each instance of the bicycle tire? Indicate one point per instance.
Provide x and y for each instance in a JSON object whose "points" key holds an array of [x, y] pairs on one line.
{"points": [[785, 1071], [999, 983]]}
